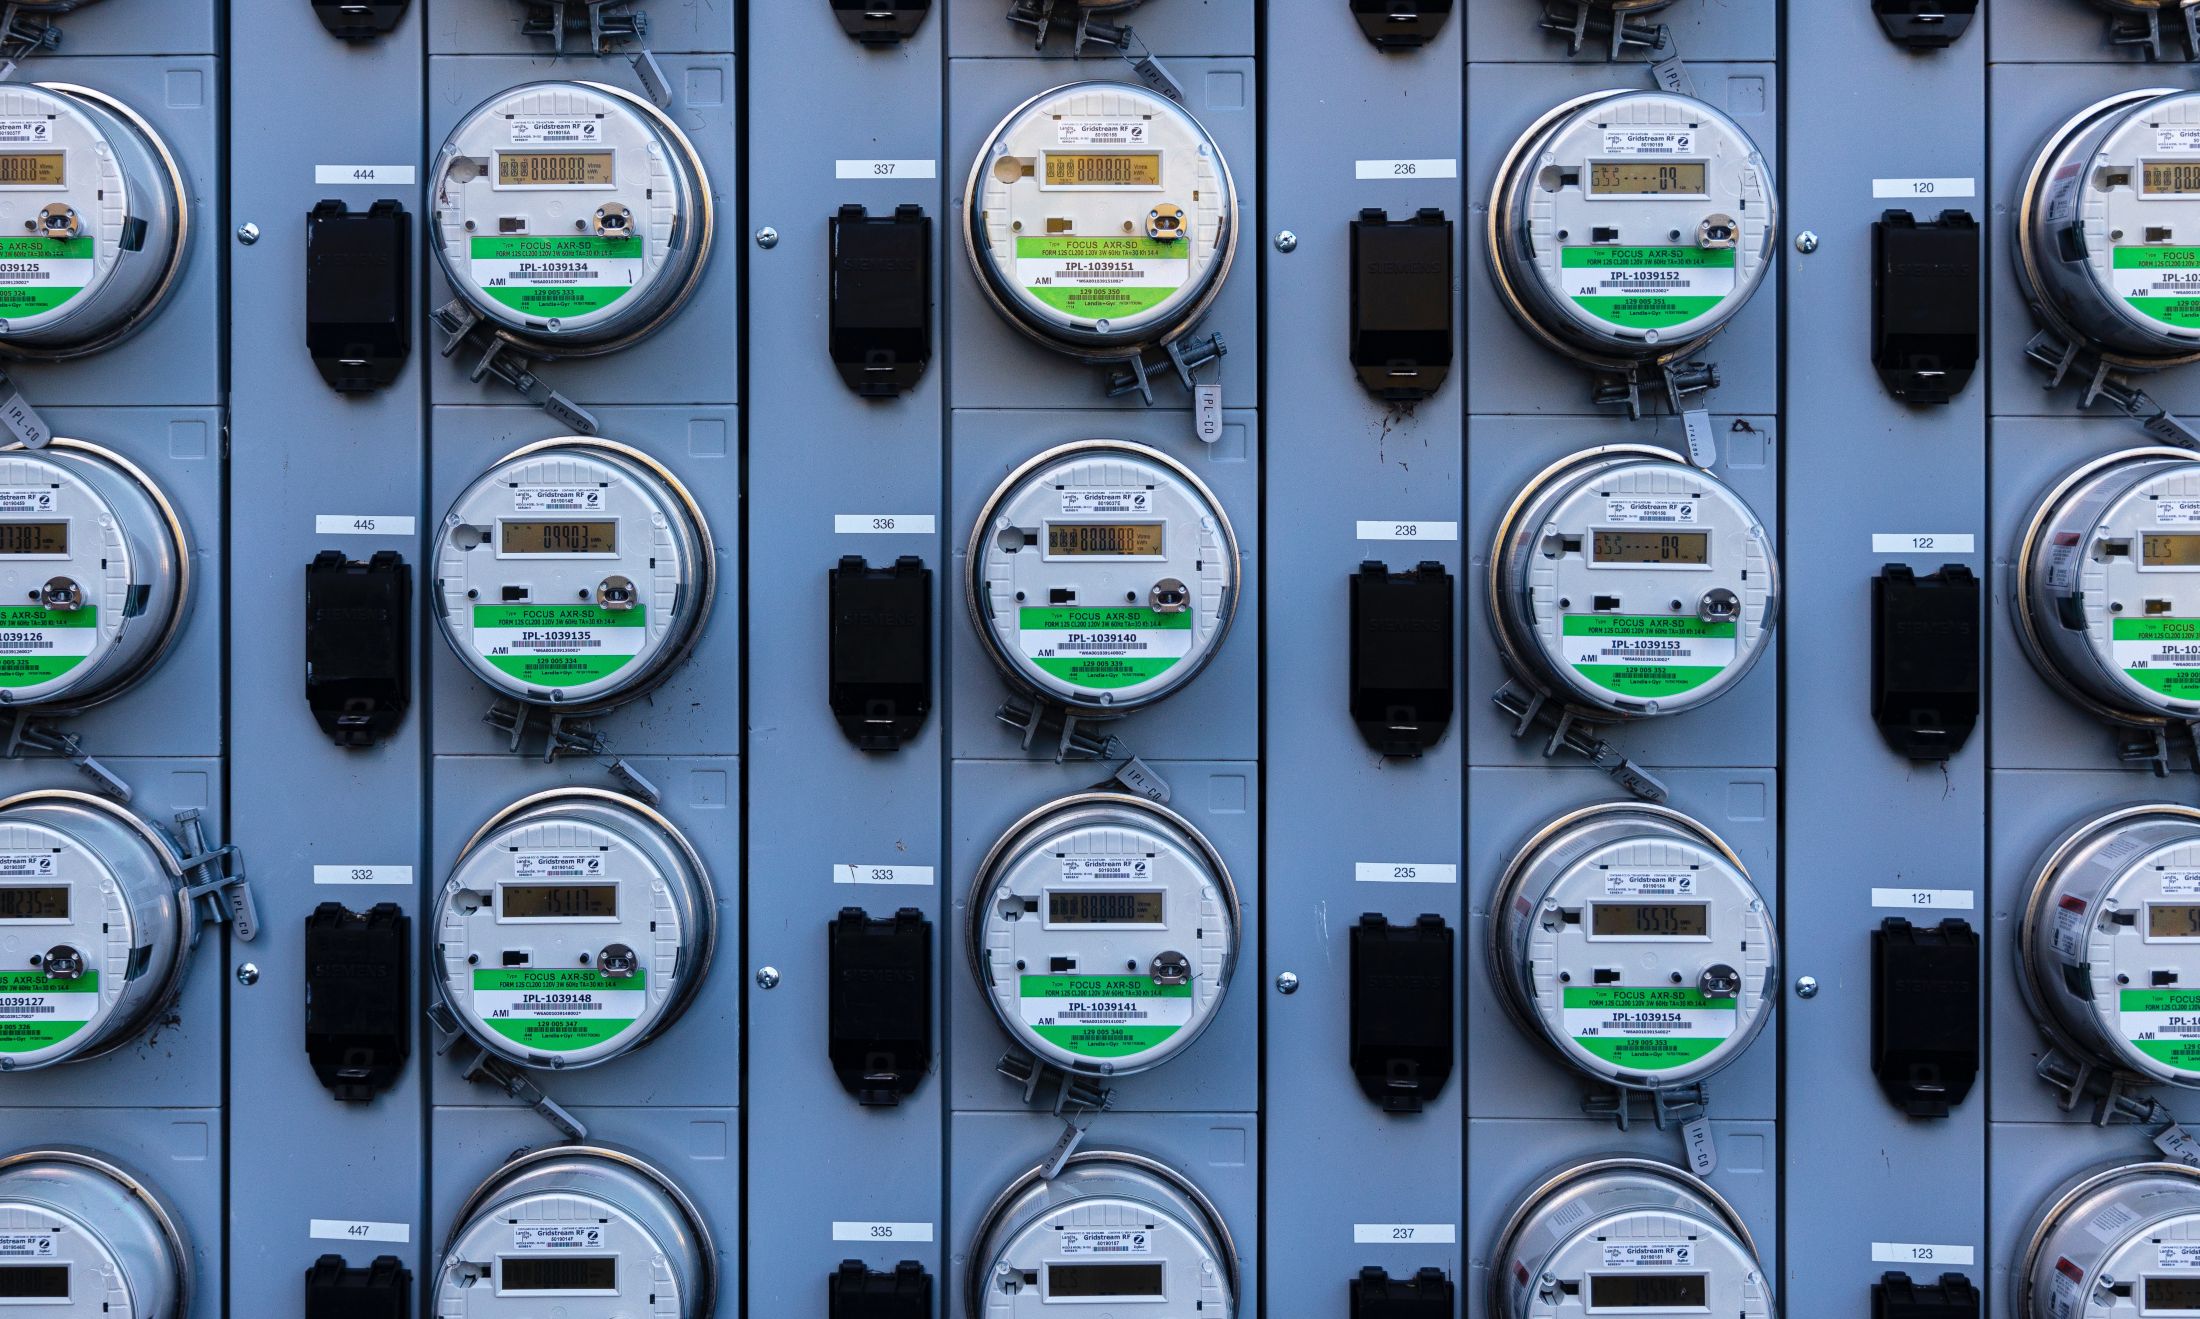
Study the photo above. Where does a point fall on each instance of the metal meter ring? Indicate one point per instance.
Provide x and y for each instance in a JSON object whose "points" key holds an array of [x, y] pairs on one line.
{"points": [[1135, 1181], [627, 268], [1675, 535], [1141, 276], [118, 302], [1682, 278], [649, 1205], [103, 1200], [620, 634], [2093, 1222], [1115, 872], [1689, 895], [1102, 515], [579, 1009]]}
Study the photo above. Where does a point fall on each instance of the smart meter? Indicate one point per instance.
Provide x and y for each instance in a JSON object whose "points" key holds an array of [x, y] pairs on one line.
{"points": [[1103, 576], [575, 573], [93, 923], [1103, 930], [573, 216], [1627, 228], [1101, 220], [86, 1239], [104, 214], [1113, 1229], [1627, 1236], [578, 1232], [1629, 938], [576, 926], [2118, 1241], [1627, 583]]}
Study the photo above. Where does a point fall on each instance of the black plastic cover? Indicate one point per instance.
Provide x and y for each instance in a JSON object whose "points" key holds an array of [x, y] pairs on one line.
{"points": [[358, 645], [358, 293], [1403, 683], [358, 997], [382, 1290], [880, 662], [1925, 658], [861, 1293], [1401, 1010], [359, 20], [880, 1014], [1425, 1295], [881, 22], [1401, 24], [1925, 24], [1894, 1296], [1925, 1011], [1925, 304], [1401, 303], [881, 314]]}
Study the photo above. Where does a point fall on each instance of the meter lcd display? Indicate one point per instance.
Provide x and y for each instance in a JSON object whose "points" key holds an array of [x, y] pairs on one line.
{"points": [[2162, 550], [1648, 1291], [2173, 921], [592, 1274], [1644, 178], [35, 168], [34, 1282], [554, 169], [559, 902], [1142, 539], [1079, 907], [1103, 169], [1104, 1281], [2171, 178], [560, 537], [1691, 547], [34, 538], [46, 902], [2171, 1295], [1680, 920]]}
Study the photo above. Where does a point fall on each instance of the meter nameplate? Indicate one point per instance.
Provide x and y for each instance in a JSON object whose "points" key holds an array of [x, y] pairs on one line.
{"points": [[1104, 503], [1649, 141], [1095, 277], [39, 274], [557, 499], [1649, 1255], [1650, 512], [2176, 138], [556, 1009], [556, 645], [2159, 281], [2160, 654], [16, 132], [26, 1245], [1650, 656], [1648, 1029], [38, 1011], [1103, 1016], [1103, 648], [1096, 1241], [2177, 1255], [2163, 1024], [536, 130], [540, 1236], [1647, 287], [1649, 883], [1082, 132], [38, 645], [553, 275]]}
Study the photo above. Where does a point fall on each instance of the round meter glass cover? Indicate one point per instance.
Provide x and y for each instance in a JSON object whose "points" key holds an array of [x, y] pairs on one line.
{"points": [[87, 1240], [1103, 576], [2121, 1240], [1113, 1230], [1102, 219], [575, 573], [1628, 1236]]}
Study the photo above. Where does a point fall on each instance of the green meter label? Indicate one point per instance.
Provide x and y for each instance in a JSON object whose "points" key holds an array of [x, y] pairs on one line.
{"points": [[558, 645], [1648, 1030], [38, 1011], [2161, 283], [2164, 1024], [1647, 288], [1102, 278], [1103, 1016], [556, 1010], [555, 276], [2160, 654], [1647, 655], [38, 645], [1103, 648], [39, 274]]}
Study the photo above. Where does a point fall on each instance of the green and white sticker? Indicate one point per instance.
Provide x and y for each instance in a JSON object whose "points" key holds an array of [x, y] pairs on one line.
{"points": [[39, 274], [558, 645], [2164, 1024], [1103, 1016], [1647, 288], [1103, 648], [38, 645], [556, 1009], [38, 1011], [2160, 654], [2161, 283], [1102, 278], [552, 276], [1647, 655], [1648, 1029]]}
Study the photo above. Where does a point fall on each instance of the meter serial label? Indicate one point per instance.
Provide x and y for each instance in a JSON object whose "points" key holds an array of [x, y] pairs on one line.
{"points": [[1099, 278], [39, 644], [1646, 288], [570, 275], [2164, 1024], [38, 1011], [557, 499], [26, 1245], [2181, 883], [1106, 869], [1647, 1255], [1647, 655], [555, 1009], [39, 274], [1103, 1241], [2161, 283], [2170, 138], [1103, 1016], [1100, 132], [557, 865], [1649, 883], [1650, 512], [1103, 648], [2176, 512], [1107, 502], [1647, 1029], [536, 130], [538, 1236], [2160, 654], [2177, 1255], [558, 645], [1649, 141]]}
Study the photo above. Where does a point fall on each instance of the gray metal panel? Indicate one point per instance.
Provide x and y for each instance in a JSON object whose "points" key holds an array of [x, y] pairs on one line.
{"points": [[1505, 30], [1168, 27], [489, 27], [131, 27], [2055, 31]]}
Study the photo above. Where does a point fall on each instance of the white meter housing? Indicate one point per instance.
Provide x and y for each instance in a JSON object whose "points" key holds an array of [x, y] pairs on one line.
{"points": [[575, 573], [93, 219], [576, 926], [1103, 931], [1101, 220], [1629, 227], [1113, 1234], [1103, 576], [1627, 583], [2109, 950], [86, 1239], [1631, 1237], [1630, 940], [95, 932], [573, 216], [578, 1232], [2117, 1241]]}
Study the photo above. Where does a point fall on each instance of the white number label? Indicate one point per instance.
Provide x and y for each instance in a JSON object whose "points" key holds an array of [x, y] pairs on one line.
{"points": [[1405, 169], [1405, 872], [386, 175], [884, 524], [1405, 1234], [1918, 542], [1396, 530], [857, 873], [363, 875], [1884, 188], [850, 1231], [1961, 899], [1905, 1252], [353, 1229], [361, 524], [886, 169]]}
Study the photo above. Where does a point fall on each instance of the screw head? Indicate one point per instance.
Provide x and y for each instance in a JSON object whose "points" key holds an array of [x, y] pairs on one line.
{"points": [[248, 233], [767, 237], [1286, 241], [1806, 242], [767, 977], [248, 974], [1287, 983], [1806, 987]]}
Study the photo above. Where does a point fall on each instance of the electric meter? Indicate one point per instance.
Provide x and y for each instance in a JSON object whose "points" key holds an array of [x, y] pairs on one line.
{"points": [[1629, 938], [576, 926], [1103, 576], [2110, 945], [573, 216], [1112, 1229], [95, 931], [575, 573], [1627, 583], [578, 1232], [81, 1238], [1627, 1236], [100, 216], [1101, 220], [2122, 1240], [1103, 930], [1629, 227]]}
